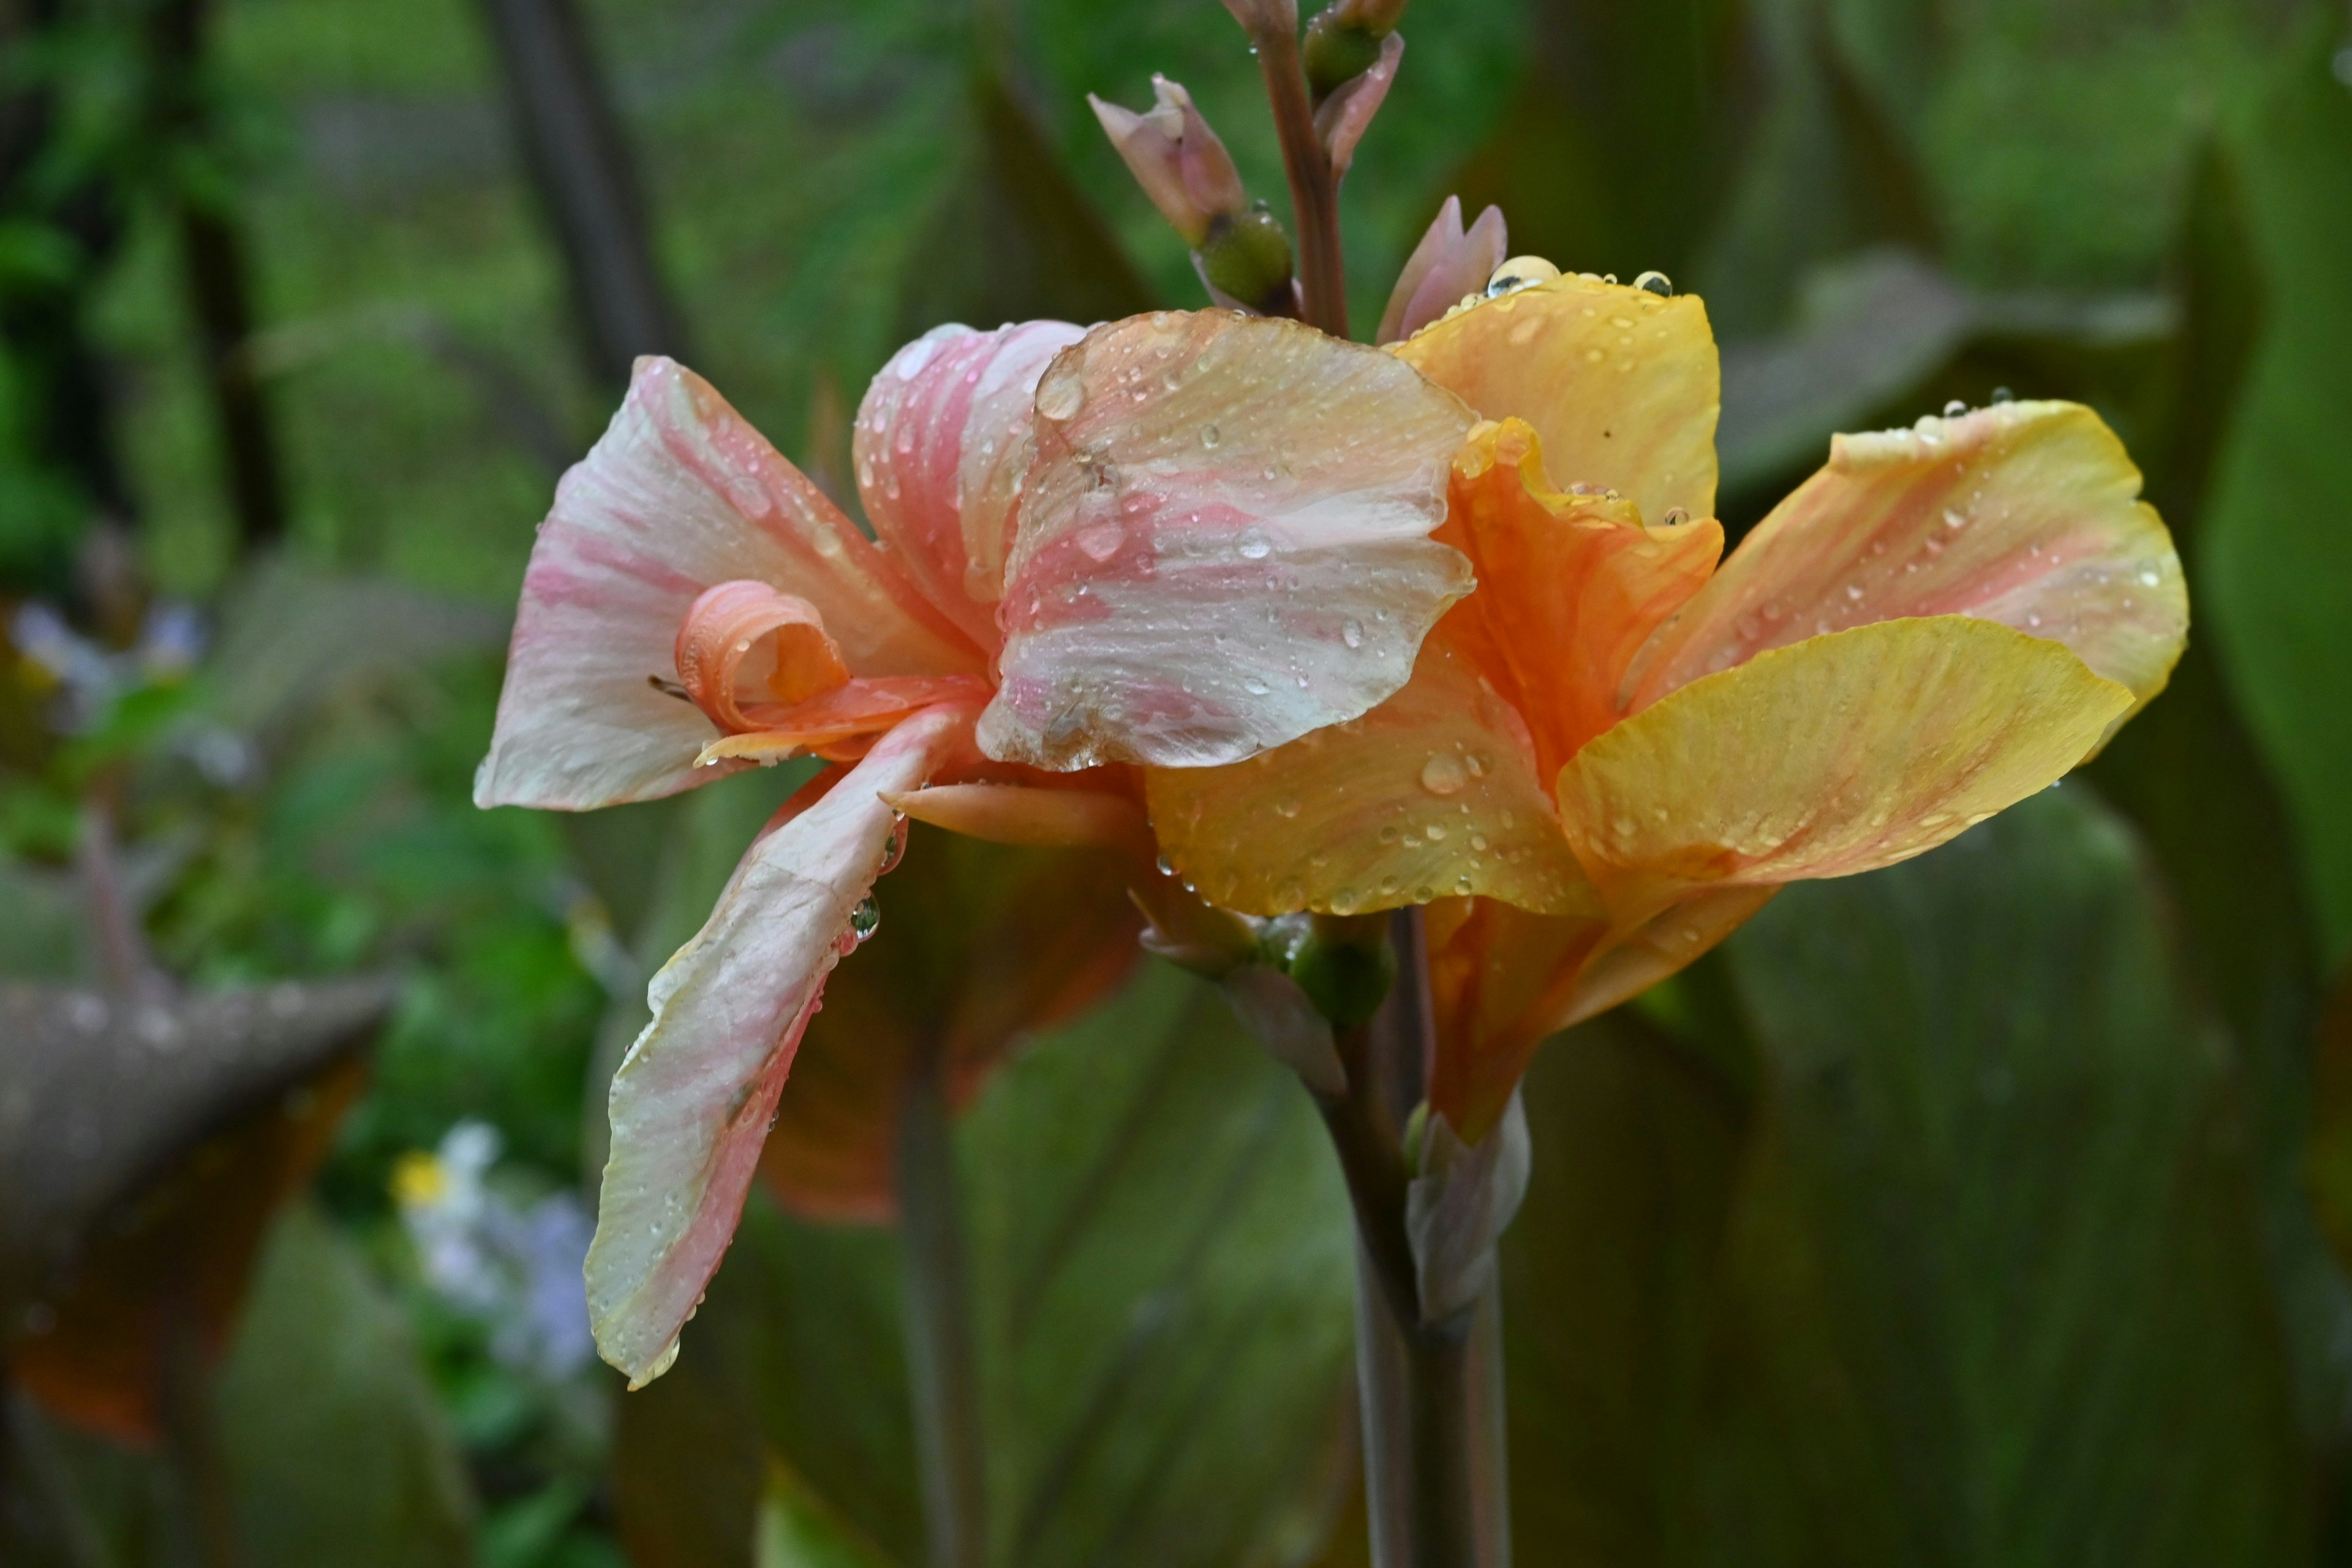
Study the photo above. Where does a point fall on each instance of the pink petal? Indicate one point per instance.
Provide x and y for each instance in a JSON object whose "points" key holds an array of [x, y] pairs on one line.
{"points": [[1223, 545], [1447, 264], [943, 438], [2025, 513], [691, 1103], [1348, 113], [679, 494]]}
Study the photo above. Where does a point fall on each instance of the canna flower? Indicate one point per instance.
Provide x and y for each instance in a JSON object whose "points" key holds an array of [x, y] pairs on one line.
{"points": [[1612, 753], [1172, 541]]}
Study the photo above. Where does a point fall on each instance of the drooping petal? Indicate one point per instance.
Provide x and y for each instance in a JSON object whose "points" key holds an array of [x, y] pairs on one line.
{"points": [[1348, 113], [1433, 793], [1448, 264], [1621, 384], [690, 1103], [943, 443], [1837, 754], [2025, 513], [1036, 818], [1570, 586], [678, 496], [1224, 542]]}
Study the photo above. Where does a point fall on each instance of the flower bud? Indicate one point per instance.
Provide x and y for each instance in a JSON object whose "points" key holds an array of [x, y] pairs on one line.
{"points": [[1447, 264], [1177, 160], [1344, 41], [1245, 261], [1345, 113], [1345, 966]]}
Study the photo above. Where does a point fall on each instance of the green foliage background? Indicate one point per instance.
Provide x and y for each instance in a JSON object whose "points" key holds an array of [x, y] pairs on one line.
{"points": [[1964, 1212]]}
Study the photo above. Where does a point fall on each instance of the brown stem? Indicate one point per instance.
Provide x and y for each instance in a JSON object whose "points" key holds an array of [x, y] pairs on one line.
{"points": [[113, 919], [1314, 189]]}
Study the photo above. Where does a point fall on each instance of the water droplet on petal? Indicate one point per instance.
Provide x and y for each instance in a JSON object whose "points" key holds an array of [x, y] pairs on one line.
{"points": [[1443, 774], [1657, 283], [865, 919], [1211, 436], [1955, 408], [1351, 631], [1254, 546]]}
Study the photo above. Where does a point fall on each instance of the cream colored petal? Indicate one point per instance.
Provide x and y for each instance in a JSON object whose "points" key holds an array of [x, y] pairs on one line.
{"points": [[1621, 384], [1837, 754], [691, 1102], [1223, 545], [2023, 514], [678, 496], [1433, 793]]}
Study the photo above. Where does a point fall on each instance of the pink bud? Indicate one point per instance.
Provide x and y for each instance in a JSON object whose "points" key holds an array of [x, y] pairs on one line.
{"points": [[1446, 265], [1344, 115], [1176, 158]]}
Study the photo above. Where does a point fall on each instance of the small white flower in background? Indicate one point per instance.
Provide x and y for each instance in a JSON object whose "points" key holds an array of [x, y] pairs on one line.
{"points": [[516, 1268], [87, 675]]}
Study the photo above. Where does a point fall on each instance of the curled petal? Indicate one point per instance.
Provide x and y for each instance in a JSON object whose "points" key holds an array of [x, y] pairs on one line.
{"points": [[1224, 542], [1622, 385], [942, 441], [2025, 513], [781, 639], [1570, 586], [681, 494], [1448, 264], [1039, 819], [691, 1101], [1348, 112], [1838, 755], [1432, 793]]}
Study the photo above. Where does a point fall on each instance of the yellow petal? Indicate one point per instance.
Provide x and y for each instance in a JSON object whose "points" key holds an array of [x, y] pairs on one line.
{"points": [[1621, 384], [1570, 586], [1432, 793], [1837, 754], [2025, 513]]}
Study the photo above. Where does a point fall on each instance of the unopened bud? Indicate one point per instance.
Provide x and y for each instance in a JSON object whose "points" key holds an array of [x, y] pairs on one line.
{"points": [[1177, 159], [1348, 112], [1447, 264], [1344, 40], [1245, 261], [1345, 966]]}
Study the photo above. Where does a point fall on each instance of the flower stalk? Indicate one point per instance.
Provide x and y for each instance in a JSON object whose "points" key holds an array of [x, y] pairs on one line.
{"points": [[1314, 183], [943, 1371]]}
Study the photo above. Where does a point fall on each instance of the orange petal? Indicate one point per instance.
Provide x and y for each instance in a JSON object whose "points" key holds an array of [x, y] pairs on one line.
{"points": [[1040, 818], [2025, 513], [1434, 792], [1621, 384], [1570, 586], [1224, 542], [822, 724], [1837, 754], [680, 494]]}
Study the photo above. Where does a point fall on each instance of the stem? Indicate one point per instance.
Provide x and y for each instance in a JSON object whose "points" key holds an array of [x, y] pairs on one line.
{"points": [[942, 1367], [122, 946], [1313, 190], [192, 1441], [1437, 1480]]}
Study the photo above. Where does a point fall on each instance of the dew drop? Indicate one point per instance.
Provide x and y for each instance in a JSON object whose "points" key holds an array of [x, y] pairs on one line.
{"points": [[1101, 542], [1254, 547], [2149, 579], [1657, 283], [1351, 631], [1443, 774], [1254, 687], [1061, 396], [1954, 519], [1211, 436], [1955, 408], [865, 919]]}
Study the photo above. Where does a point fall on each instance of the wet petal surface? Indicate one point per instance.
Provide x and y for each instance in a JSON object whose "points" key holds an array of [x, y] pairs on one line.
{"points": [[1569, 586], [1432, 793], [1837, 754], [943, 443], [1223, 544], [1622, 385], [691, 1102], [679, 494], [2023, 514]]}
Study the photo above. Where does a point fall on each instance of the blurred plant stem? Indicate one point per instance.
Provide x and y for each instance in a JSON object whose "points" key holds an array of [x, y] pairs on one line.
{"points": [[1435, 1482], [218, 281], [1314, 187], [574, 146], [942, 1367], [191, 1440], [121, 944]]}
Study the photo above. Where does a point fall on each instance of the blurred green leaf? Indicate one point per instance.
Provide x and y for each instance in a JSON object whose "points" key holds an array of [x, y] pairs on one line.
{"points": [[1996, 1264], [1163, 1274], [2277, 580], [332, 1436], [1978, 1277]]}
